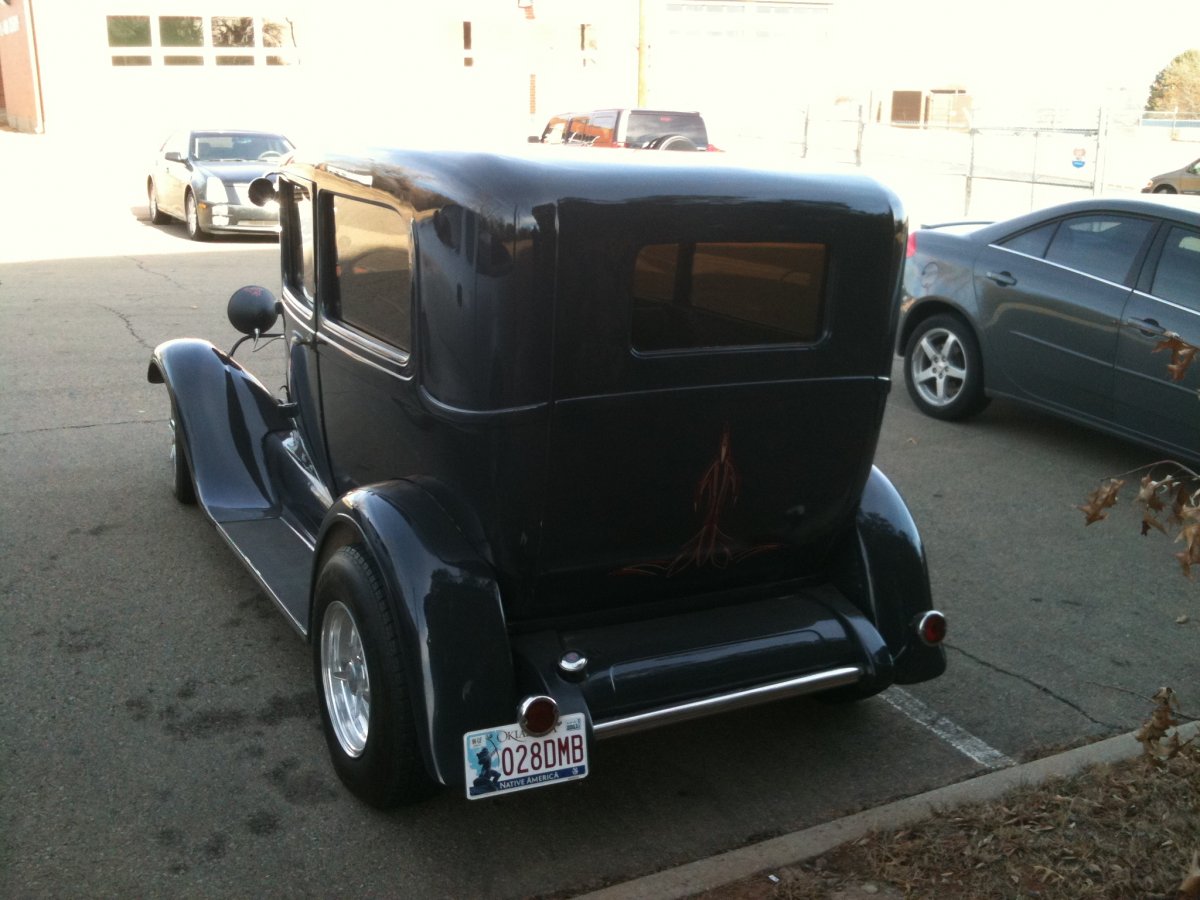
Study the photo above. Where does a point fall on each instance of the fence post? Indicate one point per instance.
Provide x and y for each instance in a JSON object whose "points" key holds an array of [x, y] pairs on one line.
{"points": [[1037, 136], [858, 146], [970, 174]]}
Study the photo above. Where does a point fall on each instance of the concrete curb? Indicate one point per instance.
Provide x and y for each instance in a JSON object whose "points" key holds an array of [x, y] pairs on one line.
{"points": [[706, 874]]}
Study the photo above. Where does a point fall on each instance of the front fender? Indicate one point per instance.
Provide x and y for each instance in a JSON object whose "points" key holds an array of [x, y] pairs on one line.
{"points": [[446, 606], [223, 413], [883, 571]]}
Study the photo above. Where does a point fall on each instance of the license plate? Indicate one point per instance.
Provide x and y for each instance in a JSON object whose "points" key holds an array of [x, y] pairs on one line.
{"points": [[505, 759]]}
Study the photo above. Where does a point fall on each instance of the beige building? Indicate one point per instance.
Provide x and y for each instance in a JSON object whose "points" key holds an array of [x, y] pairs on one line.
{"points": [[460, 70]]}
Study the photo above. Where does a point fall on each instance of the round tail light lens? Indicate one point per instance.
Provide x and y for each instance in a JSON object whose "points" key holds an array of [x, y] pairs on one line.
{"points": [[537, 715], [931, 628]]}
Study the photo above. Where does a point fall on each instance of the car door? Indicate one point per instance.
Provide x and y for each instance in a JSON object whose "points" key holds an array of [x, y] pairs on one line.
{"points": [[298, 251], [364, 347], [1189, 180], [1150, 400], [1051, 300]]}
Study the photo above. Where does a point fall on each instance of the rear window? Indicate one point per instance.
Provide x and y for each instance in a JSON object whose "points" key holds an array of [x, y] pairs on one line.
{"points": [[691, 296], [644, 127]]}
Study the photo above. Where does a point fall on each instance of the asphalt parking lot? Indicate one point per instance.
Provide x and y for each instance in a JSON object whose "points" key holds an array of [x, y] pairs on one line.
{"points": [[159, 727]]}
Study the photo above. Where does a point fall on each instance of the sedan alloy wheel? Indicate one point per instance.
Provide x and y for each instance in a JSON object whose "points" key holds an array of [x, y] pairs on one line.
{"points": [[943, 369]]}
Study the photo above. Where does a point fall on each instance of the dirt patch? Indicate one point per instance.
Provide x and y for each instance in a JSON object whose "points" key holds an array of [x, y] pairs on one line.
{"points": [[1115, 831]]}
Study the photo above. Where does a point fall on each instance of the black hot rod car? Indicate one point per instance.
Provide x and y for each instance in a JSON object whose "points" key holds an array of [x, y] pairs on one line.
{"points": [[568, 448]]}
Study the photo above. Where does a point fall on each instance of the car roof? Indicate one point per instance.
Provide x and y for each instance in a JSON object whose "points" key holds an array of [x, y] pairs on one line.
{"points": [[629, 109], [1176, 207], [545, 174]]}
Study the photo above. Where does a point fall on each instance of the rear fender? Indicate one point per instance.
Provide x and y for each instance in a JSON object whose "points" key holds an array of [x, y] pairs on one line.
{"points": [[223, 413], [446, 606], [884, 573]]}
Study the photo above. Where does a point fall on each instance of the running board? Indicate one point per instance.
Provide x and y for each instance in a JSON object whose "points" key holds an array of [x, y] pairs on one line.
{"points": [[763, 693]]}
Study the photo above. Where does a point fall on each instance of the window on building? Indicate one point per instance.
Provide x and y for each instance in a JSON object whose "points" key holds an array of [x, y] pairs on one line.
{"points": [[688, 296], [277, 33], [373, 271], [265, 41], [181, 31], [129, 31], [232, 31]]}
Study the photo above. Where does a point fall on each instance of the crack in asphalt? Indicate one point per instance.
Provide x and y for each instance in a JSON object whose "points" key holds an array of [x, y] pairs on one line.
{"points": [[141, 265], [128, 325], [4, 434], [1041, 687]]}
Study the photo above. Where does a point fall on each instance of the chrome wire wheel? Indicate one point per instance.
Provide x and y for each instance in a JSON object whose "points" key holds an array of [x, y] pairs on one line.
{"points": [[344, 678], [938, 367]]}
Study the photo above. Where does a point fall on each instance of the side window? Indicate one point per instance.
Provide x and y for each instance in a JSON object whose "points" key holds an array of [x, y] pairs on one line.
{"points": [[689, 296], [299, 249], [1178, 275], [1103, 245], [604, 127], [1032, 242], [578, 131], [373, 271]]}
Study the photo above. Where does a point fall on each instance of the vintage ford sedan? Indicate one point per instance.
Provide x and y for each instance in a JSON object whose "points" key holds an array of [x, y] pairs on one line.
{"points": [[569, 448]]}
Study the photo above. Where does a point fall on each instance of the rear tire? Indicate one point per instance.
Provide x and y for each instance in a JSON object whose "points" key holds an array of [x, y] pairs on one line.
{"points": [[366, 709], [157, 216], [943, 368]]}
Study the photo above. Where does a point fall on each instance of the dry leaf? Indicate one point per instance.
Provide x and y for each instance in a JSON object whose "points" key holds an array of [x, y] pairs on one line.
{"points": [[1189, 889], [1183, 354], [1101, 499]]}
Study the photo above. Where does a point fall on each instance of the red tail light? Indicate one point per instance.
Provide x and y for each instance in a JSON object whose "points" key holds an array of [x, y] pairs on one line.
{"points": [[911, 251], [931, 628], [711, 149], [537, 715]]}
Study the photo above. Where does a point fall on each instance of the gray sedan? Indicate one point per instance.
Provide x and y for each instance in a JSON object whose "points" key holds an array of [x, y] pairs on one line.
{"points": [[202, 178], [1080, 309]]}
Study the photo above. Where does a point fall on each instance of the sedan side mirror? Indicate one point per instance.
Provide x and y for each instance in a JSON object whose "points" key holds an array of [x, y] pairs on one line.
{"points": [[253, 310], [173, 156]]}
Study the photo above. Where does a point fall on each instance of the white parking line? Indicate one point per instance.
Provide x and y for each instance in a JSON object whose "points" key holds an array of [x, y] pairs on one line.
{"points": [[965, 743]]}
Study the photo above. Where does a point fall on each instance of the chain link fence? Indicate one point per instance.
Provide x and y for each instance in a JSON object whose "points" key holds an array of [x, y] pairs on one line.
{"points": [[995, 164]]}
